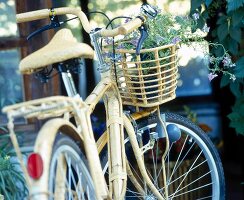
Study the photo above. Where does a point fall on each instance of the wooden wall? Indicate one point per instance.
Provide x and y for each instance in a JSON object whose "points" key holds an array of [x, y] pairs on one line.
{"points": [[32, 87]]}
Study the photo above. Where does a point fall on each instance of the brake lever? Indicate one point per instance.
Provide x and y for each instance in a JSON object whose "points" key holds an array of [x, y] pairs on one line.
{"points": [[144, 35], [54, 24], [151, 13], [47, 27]]}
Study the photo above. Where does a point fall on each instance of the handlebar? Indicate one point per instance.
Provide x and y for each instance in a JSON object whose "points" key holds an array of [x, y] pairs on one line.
{"points": [[44, 13]]}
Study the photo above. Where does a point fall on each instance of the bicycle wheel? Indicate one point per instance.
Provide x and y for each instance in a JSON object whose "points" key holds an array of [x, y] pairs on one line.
{"points": [[193, 169], [69, 176]]}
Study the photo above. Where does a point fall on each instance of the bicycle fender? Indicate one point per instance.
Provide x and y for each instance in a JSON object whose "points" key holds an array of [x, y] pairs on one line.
{"points": [[43, 146]]}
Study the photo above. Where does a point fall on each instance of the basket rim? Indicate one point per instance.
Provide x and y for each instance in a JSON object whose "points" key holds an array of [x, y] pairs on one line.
{"points": [[121, 50]]}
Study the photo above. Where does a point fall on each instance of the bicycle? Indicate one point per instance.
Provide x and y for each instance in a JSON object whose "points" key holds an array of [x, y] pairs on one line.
{"points": [[159, 153]]}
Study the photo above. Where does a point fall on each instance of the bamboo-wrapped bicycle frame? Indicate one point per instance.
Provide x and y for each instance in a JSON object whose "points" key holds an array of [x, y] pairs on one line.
{"points": [[65, 107]]}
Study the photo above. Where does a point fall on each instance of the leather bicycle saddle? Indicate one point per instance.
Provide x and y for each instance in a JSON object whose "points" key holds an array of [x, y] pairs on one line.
{"points": [[63, 46]]}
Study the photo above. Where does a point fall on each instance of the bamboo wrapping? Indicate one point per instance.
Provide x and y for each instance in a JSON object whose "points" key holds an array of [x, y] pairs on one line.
{"points": [[92, 153], [45, 13], [117, 164], [59, 106], [147, 83], [139, 158]]}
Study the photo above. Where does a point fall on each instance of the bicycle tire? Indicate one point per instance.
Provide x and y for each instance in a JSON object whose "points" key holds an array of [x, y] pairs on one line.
{"points": [[198, 176], [72, 179]]}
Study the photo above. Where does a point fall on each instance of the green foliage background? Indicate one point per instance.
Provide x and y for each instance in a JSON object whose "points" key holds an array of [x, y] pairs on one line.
{"points": [[227, 29], [12, 182]]}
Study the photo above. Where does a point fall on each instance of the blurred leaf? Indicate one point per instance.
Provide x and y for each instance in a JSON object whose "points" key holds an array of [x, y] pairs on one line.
{"points": [[222, 31], [222, 19], [239, 68], [237, 16], [201, 22], [235, 88], [4, 129], [237, 116], [218, 51], [234, 4], [205, 127], [232, 46], [214, 33], [195, 4], [225, 80], [208, 2], [205, 14], [235, 33]]}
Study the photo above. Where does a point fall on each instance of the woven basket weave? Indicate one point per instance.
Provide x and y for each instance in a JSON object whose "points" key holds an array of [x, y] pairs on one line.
{"points": [[148, 79]]}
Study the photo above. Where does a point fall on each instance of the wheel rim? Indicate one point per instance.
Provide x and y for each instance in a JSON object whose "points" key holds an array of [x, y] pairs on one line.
{"points": [[202, 163], [210, 160], [69, 177]]}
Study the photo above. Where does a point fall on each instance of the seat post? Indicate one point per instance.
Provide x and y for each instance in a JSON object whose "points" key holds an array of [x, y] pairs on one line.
{"points": [[68, 81], [69, 84]]}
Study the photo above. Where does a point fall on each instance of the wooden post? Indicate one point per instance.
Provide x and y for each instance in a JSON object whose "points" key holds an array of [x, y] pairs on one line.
{"points": [[33, 89], [88, 62]]}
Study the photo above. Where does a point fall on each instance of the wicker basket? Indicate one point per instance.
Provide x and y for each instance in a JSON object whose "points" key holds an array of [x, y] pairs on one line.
{"points": [[149, 79]]}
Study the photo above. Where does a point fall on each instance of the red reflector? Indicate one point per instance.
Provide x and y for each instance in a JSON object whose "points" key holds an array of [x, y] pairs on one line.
{"points": [[35, 165]]}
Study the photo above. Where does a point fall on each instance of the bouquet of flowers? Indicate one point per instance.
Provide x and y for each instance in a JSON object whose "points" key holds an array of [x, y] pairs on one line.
{"points": [[167, 29], [150, 75]]}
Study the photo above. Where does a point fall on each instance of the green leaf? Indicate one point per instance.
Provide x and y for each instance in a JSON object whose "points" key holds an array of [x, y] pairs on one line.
{"points": [[235, 88], [4, 129], [238, 126], [235, 33], [239, 68], [2, 180], [232, 46], [222, 31], [205, 14], [237, 16], [237, 115], [225, 80], [195, 4], [222, 19], [208, 2], [234, 4], [240, 74]]}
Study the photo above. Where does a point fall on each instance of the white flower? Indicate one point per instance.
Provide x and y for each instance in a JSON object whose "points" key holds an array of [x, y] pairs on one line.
{"points": [[232, 77], [227, 61], [211, 76], [6, 157], [195, 16], [212, 59], [205, 28]]}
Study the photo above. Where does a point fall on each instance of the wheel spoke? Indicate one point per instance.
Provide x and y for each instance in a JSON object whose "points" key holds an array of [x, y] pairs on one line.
{"points": [[66, 183], [70, 172], [70, 176], [167, 157], [154, 168], [178, 164], [205, 197], [134, 192], [195, 181], [135, 172], [187, 173], [190, 170], [203, 186], [192, 165], [178, 158]]}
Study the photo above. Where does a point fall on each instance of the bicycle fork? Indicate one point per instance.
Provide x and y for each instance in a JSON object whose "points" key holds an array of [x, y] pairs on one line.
{"points": [[116, 150], [139, 158]]}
